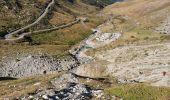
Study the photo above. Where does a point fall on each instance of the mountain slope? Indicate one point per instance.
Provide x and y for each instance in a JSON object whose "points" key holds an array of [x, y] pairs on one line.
{"points": [[63, 12], [148, 13], [122, 54]]}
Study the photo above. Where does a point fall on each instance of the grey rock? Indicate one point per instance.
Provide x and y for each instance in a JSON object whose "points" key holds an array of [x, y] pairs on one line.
{"points": [[33, 65], [63, 81]]}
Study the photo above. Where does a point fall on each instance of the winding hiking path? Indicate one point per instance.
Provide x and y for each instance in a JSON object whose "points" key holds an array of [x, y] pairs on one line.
{"points": [[10, 35], [44, 30]]}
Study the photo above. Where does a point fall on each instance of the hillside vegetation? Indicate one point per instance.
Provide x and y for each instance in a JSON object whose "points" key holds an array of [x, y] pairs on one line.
{"points": [[53, 42]]}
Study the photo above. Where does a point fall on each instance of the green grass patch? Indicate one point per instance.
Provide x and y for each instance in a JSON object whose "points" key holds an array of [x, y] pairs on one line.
{"points": [[165, 37], [139, 92], [144, 33]]}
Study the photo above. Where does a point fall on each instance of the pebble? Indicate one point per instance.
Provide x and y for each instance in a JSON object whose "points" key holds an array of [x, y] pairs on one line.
{"points": [[45, 97], [30, 97]]}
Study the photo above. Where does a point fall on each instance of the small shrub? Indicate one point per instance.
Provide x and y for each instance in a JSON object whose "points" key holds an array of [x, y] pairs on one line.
{"points": [[146, 38], [132, 36]]}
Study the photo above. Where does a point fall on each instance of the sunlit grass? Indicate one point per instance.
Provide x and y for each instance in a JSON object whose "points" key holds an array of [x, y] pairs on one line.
{"points": [[139, 92]]}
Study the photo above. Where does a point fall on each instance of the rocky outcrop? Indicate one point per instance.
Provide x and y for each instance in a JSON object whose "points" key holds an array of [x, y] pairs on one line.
{"points": [[92, 69], [72, 92], [33, 65]]}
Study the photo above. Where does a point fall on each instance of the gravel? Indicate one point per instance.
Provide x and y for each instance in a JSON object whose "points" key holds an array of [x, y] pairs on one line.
{"points": [[33, 65], [67, 87], [164, 28]]}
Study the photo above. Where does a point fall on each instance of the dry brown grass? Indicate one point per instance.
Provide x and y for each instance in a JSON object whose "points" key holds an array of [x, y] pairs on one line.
{"points": [[146, 12], [62, 17], [43, 1], [13, 50], [17, 88]]}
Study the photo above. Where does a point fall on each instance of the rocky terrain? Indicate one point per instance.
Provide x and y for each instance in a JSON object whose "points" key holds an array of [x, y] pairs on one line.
{"points": [[31, 65], [143, 64], [97, 39], [38, 64], [130, 63], [68, 87], [124, 57], [164, 28]]}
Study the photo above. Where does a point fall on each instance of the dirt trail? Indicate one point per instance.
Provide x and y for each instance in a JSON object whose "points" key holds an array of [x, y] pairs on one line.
{"points": [[43, 30], [10, 35]]}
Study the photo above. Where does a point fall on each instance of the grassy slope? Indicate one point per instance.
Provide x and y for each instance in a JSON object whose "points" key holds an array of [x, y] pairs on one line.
{"points": [[56, 43], [15, 88], [60, 41], [15, 14], [143, 16], [148, 13], [139, 92]]}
